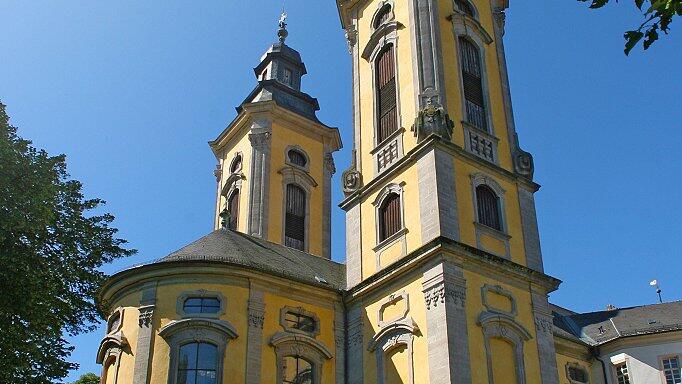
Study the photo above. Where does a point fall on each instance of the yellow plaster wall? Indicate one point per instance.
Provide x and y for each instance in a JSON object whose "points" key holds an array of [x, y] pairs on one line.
{"points": [[492, 79], [411, 219], [404, 75], [396, 365], [240, 143], [467, 216], [129, 328], [562, 360], [474, 307], [504, 369], [235, 296], [273, 304], [284, 135]]}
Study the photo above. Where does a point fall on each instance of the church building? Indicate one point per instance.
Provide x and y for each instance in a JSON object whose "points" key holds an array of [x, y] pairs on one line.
{"points": [[443, 280]]}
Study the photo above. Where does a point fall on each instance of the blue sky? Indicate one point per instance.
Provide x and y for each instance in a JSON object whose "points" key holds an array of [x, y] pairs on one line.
{"points": [[132, 91]]}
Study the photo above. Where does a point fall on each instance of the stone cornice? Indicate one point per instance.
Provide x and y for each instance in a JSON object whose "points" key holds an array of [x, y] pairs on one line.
{"points": [[412, 156], [250, 111], [472, 258]]}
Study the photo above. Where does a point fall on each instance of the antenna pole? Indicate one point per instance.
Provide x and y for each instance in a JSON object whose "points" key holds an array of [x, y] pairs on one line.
{"points": [[658, 290]]}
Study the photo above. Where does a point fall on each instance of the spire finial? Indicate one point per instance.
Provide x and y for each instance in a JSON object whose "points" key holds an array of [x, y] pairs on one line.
{"points": [[282, 32]]}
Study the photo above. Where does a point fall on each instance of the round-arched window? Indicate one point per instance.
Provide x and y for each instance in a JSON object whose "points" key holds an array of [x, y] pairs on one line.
{"points": [[383, 16], [236, 164]]}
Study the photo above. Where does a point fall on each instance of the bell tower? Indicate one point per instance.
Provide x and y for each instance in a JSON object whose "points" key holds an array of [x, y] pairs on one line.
{"points": [[443, 253], [275, 159]]}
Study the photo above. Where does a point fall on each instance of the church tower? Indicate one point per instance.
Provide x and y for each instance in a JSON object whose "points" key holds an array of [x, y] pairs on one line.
{"points": [[444, 268], [275, 159]]}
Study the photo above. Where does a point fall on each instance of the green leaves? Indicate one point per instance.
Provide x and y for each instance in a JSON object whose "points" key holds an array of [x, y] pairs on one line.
{"points": [[51, 247], [658, 14], [88, 378]]}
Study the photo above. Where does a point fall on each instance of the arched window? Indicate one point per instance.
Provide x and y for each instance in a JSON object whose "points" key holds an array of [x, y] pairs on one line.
{"points": [[236, 164], [294, 231], [387, 116], [198, 363], [472, 80], [233, 208], [297, 157], [383, 16], [464, 7], [390, 221], [296, 370], [488, 207]]}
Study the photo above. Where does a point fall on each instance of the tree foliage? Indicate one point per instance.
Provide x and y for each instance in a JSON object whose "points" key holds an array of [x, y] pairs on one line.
{"points": [[51, 246], [88, 378], [658, 14]]}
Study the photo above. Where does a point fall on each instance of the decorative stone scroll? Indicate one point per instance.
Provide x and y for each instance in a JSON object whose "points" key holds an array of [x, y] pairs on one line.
{"points": [[432, 119]]}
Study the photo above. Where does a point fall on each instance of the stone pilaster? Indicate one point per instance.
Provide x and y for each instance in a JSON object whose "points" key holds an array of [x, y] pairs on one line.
{"points": [[254, 337], [428, 65], [529, 226], [260, 178], [355, 344], [144, 335], [329, 170], [340, 343], [437, 197], [353, 246], [545, 338], [444, 290]]}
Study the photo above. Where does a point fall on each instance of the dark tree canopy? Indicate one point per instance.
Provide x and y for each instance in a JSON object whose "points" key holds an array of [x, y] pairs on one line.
{"points": [[51, 246], [658, 14], [88, 378]]}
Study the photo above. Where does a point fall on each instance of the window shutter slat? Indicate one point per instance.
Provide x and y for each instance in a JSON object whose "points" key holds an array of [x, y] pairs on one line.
{"points": [[386, 95], [294, 221], [488, 207], [472, 83]]}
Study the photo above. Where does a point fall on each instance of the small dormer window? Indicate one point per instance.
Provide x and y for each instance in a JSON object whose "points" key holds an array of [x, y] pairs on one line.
{"points": [[236, 165], [114, 322], [287, 77], [297, 157], [383, 16]]}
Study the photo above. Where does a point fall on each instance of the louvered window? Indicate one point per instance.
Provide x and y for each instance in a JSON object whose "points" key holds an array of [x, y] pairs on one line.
{"points": [[622, 374], [464, 7], [473, 84], [488, 207], [294, 232], [386, 94], [233, 208], [390, 221], [383, 16]]}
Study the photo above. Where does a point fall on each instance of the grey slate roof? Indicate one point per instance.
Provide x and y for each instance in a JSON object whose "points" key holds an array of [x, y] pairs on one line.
{"points": [[596, 328], [238, 249]]}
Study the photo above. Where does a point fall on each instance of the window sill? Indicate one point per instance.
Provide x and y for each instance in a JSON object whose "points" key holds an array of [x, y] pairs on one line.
{"points": [[390, 240], [492, 231]]}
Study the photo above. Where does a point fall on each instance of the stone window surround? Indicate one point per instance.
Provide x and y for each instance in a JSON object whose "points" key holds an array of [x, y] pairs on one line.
{"points": [[297, 148], [501, 326], [390, 300], [180, 303], [112, 356], [477, 179], [288, 344], [232, 184], [576, 365], [303, 312], [466, 27], [380, 7], [498, 289], [378, 201], [296, 176], [473, 8], [385, 34], [660, 362], [394, 335], [120, 312], [180, 332], [237, 156]]}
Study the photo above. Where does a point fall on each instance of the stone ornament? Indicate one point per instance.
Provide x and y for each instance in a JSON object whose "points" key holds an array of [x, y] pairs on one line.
{"points": [[351, 177], [433, 119]]}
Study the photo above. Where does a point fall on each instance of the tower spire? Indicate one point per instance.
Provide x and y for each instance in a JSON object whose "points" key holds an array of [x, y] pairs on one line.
{"points": [[282, 33]]}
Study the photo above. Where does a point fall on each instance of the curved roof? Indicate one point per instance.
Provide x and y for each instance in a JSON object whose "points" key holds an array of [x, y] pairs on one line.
{"points": [[235, 248]]}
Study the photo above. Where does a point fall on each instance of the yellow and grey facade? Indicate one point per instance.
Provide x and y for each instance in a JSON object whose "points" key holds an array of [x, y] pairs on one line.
{"points": [[443, 280]]}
